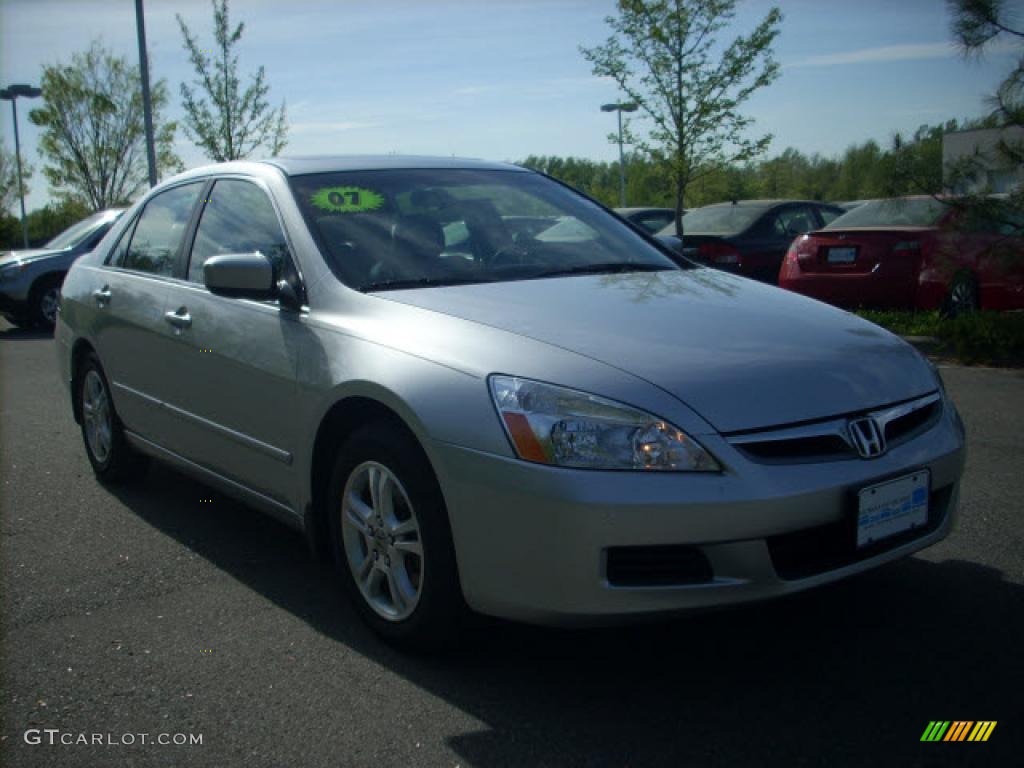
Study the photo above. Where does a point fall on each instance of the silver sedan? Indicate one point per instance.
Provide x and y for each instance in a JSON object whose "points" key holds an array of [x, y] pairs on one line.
{"points": [[476, 389]]}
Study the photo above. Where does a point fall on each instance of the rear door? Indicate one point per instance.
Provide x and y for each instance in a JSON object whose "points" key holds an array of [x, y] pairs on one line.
{"points": [[237, 358], [131, 334]]}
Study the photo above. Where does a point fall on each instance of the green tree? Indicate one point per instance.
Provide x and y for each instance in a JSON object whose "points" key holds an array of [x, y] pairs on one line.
{"points": [[664, 55], [9, 179], [44, 223], [232, 124], [93, 139]]}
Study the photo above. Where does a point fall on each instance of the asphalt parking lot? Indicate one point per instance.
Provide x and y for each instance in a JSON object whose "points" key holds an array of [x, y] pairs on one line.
{"points": [[163, 608]]}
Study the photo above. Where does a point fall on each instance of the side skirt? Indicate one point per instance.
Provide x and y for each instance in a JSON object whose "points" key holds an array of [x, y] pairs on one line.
{"points": [[229, 487]]}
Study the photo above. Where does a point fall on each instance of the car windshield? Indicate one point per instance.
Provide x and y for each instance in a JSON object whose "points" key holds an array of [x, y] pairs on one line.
{"points": [[916, 212], [76, 233], [392, 229], [718, 219]]}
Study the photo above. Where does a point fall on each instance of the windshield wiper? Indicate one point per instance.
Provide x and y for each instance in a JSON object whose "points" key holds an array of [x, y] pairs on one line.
{"points": [[610, 268], [421, 282]]}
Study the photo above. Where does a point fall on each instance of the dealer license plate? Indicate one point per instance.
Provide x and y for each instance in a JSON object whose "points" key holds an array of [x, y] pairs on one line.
{"points": [[842, 255], [892, 507]]}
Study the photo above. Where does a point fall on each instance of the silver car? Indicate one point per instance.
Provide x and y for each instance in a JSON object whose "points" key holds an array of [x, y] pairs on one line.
{"points": [[466, 414]]}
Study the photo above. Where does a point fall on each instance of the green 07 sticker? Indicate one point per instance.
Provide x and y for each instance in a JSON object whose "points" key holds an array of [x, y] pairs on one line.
{"points": [[347, 199]]}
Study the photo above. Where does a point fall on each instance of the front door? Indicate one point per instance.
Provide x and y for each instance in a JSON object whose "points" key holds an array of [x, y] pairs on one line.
{"points": [[237, 358]]}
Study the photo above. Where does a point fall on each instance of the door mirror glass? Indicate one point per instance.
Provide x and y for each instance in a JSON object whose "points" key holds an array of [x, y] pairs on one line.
{"points": [[244, 275]]}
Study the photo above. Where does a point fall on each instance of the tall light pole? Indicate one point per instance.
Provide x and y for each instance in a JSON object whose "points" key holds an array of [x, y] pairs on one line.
{"points": [[11, 94], [147, 106], [620, 107]]}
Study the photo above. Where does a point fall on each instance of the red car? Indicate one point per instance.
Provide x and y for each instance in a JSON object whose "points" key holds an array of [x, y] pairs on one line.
{"points": [[911, 253]]}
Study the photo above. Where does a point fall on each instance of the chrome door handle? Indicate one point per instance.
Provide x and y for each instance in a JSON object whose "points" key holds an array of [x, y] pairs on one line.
{"points": [[102, 295], [179, 319]]}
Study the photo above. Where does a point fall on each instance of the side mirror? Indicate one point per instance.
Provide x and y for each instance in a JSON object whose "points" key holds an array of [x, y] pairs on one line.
{"points": [[244, 275]]}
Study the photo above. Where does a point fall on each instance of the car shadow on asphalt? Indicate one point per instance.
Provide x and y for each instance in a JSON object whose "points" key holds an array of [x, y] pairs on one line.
{"points": [[849, 674]]}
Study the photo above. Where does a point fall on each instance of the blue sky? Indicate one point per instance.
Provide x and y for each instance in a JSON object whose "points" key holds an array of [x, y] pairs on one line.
{"points": [[502, 79]]}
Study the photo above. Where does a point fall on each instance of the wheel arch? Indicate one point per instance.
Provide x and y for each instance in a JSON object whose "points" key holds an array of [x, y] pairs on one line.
{"points": [[45, 278], [80, 350], [346, 414]]}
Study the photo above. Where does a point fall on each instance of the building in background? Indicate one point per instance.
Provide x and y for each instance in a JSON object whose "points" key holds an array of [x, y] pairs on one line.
{"points": [[993, 170]]}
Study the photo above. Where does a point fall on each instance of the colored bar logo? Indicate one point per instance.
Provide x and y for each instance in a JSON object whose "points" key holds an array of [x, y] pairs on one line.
{"points": [[958, 730]]}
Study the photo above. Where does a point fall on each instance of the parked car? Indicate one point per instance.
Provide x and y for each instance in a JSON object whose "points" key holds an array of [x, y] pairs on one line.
{"points": [[651, 219], [749, 237], [912, 252], [849, 205], [556, 431], [30, 280]]}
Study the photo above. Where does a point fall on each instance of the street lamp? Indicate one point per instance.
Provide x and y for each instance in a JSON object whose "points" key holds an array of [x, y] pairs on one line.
{"points": [[147, 105], [620, 108], [11, 94]]}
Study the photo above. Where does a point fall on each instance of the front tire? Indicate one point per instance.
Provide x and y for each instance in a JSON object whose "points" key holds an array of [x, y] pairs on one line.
{"points": [[392, 541], [43, 303], [962, 298], [112, 459]]}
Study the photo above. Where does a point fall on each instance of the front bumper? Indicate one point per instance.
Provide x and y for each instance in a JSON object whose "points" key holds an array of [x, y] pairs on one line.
{"points": [[533, 541], [14, 293]]}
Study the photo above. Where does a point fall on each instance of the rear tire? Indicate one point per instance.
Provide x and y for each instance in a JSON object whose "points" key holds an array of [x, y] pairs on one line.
{"points": [[391, 539], [112, 459], [44, 300], [962, 298]]}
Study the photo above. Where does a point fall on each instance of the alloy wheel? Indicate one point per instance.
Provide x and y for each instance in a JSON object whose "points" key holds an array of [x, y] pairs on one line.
{"points": [[96, 413], [382, 541], [48, 304], [962, 297]]}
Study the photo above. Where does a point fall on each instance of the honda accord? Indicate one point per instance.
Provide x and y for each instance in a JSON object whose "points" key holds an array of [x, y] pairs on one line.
{"points": [[472, 416]]}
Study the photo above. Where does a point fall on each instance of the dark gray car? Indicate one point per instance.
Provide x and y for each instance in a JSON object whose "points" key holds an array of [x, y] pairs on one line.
{"points": [[30, 280]]}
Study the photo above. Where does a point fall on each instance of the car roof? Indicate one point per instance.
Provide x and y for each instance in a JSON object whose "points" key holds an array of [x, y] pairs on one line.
{"points": [[766, 203], [644, 209], [297, 166]]}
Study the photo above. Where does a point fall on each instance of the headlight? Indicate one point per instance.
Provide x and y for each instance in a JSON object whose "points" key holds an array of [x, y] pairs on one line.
{"points": [[568, 428]]}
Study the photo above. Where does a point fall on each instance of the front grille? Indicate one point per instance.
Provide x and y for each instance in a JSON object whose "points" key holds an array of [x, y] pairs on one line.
{"points": [[805, 553], [829, 440], [912, 424], [657, 566], [816, 448]]}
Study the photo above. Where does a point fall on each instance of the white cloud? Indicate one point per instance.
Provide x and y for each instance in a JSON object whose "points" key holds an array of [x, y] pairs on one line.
{"points": [[889, 53]]}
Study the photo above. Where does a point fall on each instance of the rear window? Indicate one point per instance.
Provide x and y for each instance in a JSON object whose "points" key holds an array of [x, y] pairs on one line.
{"points": [[721, 219], [84, 229], [919, 212]]}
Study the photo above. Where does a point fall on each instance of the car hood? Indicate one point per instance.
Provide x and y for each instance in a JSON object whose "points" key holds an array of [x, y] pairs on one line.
{"points": [[11, 257], [742, 354]]}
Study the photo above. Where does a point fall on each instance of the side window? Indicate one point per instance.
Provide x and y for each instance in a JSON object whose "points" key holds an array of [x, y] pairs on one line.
{"points": [[796, 220], [116, 256], [239, 218], [828, 215], [157, 238]]}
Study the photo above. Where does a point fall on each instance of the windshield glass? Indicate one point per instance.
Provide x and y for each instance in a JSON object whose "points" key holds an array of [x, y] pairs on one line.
{"points": [[393, 229], [76, 233], [919, 212], [719, 219]]}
